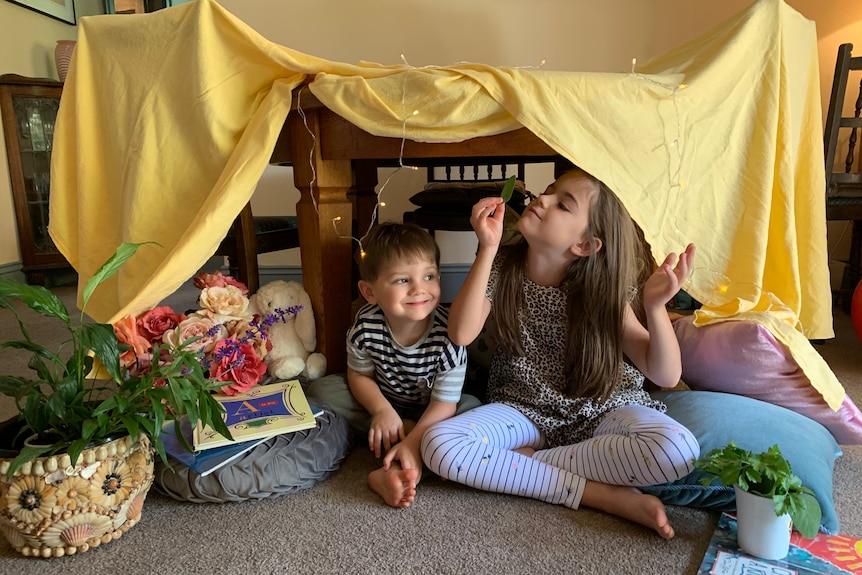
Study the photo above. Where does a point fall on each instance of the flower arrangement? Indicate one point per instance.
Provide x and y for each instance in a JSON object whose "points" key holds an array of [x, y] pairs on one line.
{"points": [[129, 378], [231, 342]]}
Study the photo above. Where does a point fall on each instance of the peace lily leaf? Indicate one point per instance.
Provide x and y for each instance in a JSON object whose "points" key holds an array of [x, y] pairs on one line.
{"points": [[110, 267], [508, 190], [101, 340], [37, 298]]}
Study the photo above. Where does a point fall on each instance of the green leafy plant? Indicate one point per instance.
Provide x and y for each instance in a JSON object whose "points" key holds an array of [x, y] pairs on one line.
{"points": [[84, 396], [767, 474]]}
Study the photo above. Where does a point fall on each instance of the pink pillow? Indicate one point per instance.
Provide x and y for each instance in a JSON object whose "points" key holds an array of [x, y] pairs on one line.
{"points": [[742, 357]]}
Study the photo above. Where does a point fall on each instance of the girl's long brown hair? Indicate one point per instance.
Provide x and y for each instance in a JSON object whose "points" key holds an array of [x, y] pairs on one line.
{"points": [[598, 287]]}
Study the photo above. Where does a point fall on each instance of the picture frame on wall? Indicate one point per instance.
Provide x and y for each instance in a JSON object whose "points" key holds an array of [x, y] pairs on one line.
{"points": [[63, 10]]}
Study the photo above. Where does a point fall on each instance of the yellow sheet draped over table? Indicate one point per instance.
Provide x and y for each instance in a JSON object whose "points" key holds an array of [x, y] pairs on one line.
{"points": [[168, 120]]}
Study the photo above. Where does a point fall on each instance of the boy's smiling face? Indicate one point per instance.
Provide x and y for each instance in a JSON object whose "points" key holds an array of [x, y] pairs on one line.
{"points": [[406, 290]]}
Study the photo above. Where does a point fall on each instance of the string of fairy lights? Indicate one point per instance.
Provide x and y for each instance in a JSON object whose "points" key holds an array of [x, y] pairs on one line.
{"points": [[721, 284]]}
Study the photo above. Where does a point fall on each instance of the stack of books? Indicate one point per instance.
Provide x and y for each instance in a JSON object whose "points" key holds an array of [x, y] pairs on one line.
{"points": [[822, 555], [252, 418]]}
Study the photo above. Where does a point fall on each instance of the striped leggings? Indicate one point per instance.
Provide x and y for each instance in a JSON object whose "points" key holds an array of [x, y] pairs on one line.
{"points": [[633, 445]]}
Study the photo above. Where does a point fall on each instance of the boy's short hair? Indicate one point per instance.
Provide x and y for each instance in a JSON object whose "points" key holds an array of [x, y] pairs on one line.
{"points": [[392, 240]]}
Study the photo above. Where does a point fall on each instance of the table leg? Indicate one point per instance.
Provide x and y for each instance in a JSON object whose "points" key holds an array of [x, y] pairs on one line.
{"points": [[324, 215]]}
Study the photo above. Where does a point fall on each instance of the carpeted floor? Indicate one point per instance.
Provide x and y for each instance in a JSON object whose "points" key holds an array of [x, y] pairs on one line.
{"points": [[340, 526]]}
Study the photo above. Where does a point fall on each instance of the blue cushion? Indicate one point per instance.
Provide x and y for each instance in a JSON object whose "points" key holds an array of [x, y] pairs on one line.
{"points": [[718, 418]]}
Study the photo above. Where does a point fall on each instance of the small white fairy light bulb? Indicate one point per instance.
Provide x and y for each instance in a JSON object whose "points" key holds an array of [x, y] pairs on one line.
{"points": [[634, 63]]}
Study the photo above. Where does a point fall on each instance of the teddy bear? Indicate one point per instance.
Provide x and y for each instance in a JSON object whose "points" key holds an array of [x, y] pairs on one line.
{"points": [[294, 339]]}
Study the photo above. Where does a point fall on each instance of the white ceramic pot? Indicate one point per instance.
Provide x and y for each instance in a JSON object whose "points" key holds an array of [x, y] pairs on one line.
{"points": [[759, 531]]}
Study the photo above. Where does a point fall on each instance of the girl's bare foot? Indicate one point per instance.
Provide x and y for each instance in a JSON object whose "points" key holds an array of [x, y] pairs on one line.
{"points": [[629, 503], [396, 486], [528, 451]]}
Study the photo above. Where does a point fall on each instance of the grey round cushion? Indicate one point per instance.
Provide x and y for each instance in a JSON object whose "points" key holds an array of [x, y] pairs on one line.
{"points": [[282, 464]]}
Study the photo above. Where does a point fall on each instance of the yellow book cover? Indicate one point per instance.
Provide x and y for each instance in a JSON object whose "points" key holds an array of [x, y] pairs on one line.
{"points": [[263, 411]]}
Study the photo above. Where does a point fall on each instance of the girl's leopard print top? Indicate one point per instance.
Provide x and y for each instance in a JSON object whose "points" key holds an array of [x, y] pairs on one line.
{"points": [[534, 384]]}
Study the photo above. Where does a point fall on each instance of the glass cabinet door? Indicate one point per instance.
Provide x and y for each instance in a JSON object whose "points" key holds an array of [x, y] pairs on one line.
{"points": [[35, 118], [29, 109]]}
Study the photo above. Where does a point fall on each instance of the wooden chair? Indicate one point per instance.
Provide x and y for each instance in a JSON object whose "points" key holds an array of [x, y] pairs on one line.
{"points": [[251, 235], [455, 185], [844, 188]]}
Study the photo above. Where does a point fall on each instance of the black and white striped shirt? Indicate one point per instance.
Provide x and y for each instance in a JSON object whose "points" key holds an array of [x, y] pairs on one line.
{"points": [[409, 377]]}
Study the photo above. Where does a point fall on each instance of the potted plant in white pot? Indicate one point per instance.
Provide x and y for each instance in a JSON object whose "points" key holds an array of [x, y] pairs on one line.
{"points": [[770, 499], [83, 479]]}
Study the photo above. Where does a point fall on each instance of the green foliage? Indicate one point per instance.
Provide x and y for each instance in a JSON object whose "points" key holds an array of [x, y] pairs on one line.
{"points": [[508, 189], [76, 401], [767, 474]]}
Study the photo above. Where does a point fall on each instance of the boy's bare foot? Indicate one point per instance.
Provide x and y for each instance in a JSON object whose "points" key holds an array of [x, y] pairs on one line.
{"points": [[396, 486], [629, 503]]}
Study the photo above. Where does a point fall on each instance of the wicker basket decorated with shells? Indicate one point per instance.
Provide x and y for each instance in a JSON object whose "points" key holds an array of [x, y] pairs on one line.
{"points": [[50, 508]]}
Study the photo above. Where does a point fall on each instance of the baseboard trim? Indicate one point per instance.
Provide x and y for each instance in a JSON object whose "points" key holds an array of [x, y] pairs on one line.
{"points": [[451, 275], [12, 271]]}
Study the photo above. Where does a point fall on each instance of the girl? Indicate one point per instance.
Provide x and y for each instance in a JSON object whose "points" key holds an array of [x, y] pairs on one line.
{"points": [[570, 422]]}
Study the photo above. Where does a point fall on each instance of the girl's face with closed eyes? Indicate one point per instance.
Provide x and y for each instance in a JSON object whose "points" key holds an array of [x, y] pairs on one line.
{"points": [[559, 219]]}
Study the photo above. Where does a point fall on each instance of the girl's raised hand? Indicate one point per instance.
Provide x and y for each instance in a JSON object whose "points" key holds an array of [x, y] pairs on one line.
{"points": [[667, 280], [487, 220]]}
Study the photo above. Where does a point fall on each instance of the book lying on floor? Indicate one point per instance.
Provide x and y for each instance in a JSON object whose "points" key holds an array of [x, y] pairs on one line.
{"points": [[206, 461], [822, 555], [263, 411]]}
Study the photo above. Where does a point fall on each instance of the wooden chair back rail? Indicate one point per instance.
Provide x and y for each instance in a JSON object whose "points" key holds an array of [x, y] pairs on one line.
{"points": [[250, 236], [492, 169], [844, 189], [854, 123]]}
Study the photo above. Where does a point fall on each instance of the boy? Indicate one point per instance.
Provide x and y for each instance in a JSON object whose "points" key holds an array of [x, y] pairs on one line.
{"points": [[403, 372]]}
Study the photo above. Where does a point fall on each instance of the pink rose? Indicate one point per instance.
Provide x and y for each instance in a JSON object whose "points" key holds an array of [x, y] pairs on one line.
{"points": [[154, 323], [217, 279], [196, 325], [237, 365], [126, 331]]}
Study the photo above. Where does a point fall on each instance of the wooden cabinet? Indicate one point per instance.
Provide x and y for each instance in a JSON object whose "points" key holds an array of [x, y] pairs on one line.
{"points": [[29, 108]]}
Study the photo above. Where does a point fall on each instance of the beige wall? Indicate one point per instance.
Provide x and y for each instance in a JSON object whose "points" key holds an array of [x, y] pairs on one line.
{"points": [[574, 35], [27, 41]]}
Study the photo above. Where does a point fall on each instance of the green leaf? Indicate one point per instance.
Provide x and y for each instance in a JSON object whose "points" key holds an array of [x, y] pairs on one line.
{"points": [[33, 348], [37, 298], [508, 189], [100, 338], [110, 267], [214, 411], [17, 387], [807, 517], [26, 454], [76, 448]]}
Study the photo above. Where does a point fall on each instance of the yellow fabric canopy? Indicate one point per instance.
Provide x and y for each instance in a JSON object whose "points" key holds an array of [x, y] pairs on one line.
{"points": [[718, 142]]}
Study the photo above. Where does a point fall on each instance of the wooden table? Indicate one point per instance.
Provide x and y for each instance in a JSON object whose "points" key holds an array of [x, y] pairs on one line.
{"points": [[342, 161]]}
